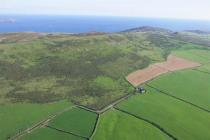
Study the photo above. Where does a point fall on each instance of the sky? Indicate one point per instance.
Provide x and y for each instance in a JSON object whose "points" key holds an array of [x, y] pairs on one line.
{"points": [[179, 9]]}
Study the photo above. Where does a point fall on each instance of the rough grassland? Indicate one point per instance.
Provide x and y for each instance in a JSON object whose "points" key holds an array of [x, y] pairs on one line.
{"points": [[77, 67], [77, 121], [48, 68], [190, 85], [49, 134], [115, 125], [19, 116], [182, 120]]}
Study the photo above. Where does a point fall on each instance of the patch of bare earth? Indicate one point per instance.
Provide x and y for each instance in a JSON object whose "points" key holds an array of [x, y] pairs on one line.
{"points": [[172, 64]]}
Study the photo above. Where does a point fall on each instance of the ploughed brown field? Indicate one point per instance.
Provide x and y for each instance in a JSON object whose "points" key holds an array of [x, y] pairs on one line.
{"points": [[173, 63]]}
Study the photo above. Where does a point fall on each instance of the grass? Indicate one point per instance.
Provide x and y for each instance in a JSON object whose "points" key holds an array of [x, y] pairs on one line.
{"points": [[205, 68], [49, 134], [190, 85], [115, 125], [195, 38], [88, 70], [19, 116], [77, 121], [76, 67], [198, 55], [181, 120]]}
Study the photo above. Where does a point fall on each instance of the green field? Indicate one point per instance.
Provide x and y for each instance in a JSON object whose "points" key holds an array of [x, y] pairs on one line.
{"points": [[49, 134], [17, 117], [77, 121], [190, 85], [182, 120], [115, 125], [204, 68], [201, 55]]}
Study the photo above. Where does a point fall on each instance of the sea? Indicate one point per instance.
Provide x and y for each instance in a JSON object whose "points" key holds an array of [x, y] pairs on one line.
{"points": [[81, 24]]}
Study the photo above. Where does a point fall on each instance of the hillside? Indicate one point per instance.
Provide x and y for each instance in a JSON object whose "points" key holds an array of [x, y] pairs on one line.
{"points": [[88, 70], [81, 69], [148, 29]]}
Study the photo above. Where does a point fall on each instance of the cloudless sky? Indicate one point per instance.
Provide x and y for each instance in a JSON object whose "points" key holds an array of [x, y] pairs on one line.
{"points": [[187, 9]]}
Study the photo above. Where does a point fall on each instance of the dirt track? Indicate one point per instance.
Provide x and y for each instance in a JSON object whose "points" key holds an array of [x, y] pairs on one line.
{"points": [[173, 63], [40, 124]]}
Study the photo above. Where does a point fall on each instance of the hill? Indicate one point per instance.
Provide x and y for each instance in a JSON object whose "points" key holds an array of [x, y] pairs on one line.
{"points": [[198, 31], [58, 71], [86, 69], [148, 29]]}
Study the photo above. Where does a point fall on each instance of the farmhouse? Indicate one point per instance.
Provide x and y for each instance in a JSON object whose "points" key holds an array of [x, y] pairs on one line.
{"points": [[140, 90]]}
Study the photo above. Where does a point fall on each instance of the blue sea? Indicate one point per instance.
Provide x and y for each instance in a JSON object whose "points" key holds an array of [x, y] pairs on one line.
{"points": [[79, 24]]}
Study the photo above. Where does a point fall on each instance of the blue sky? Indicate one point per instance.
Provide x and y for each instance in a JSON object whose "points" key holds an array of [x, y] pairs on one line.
{"points": [[187, 9]]}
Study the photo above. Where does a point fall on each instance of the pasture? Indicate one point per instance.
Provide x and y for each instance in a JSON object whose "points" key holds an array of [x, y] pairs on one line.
{"points": [[182, 120], [49, 134], [204, 68], [115, 125], [76, 120], [190, 85], [201, 55], [15, 118]]}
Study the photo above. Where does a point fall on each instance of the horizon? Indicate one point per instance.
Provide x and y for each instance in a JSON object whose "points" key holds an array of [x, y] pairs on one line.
{"points": [[85, 23], [108, 16], [164, 9]]}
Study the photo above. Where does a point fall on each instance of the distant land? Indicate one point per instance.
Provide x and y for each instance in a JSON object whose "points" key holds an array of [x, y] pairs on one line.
{"points": [[7, 20], [199, 31], [84, 24]]}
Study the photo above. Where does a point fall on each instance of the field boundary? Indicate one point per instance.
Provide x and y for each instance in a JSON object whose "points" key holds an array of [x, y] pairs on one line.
{"points": [[78, 135], [119, 100], [107, 107], [38, 125], [199, 55], [96, 121], [87, 109], [44, 123], [116, 101], [95, 127], [67, 132], [148, 121], [177, 98], [205, 72]]}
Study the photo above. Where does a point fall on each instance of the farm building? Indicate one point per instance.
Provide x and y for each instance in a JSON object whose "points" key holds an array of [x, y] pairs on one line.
{"points": [[140, 90]]}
